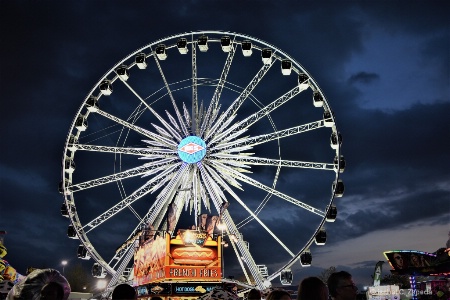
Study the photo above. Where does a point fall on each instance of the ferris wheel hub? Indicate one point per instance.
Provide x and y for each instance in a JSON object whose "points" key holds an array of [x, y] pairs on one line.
{"points": [[192, 149]]}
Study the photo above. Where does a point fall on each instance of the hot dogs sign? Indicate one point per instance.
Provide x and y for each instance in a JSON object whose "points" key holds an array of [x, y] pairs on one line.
{"points": [[191, 255]]}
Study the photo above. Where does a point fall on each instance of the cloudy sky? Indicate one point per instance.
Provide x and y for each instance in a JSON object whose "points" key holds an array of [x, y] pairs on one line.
{"points": [[384, 67]]}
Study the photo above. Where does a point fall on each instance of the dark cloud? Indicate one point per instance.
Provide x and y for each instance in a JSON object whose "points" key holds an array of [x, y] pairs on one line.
{"points": [[363, 77], [53, 55]]}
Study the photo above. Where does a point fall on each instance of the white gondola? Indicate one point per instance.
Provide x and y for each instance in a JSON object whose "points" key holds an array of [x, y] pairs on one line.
{"points": [[203, 43], [225, 43], [303, 79], [286, 67], [92, 104], [246, 48], [321, 237], [335, 140], [161, 52], [64, 210], [339, 163], [71, 232], [317, 99], [266, 55], [141, 60], [327, 118], [123, 72], [82, 253], [81, 123], [306, 259], [73, 140], [286, 277], [331, 214], [64, 190], [98, 271], [182, 46], [69, 165], [106, 87], [338, 188]]}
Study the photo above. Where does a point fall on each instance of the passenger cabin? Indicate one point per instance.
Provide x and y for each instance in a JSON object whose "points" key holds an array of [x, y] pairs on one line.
{"points": [[266, 55], [317, 99], [106, 87], [306, 259], [98, 271], [331, 214], [338, 188], [182, 46], [71, 232], [81, 123], [73, 140], [141, 60], [161, 52], [203, 43], [339, 163], [225, 43], [69, 165], [335, 140], [246, 48], [92, 104], [286, 277], [64, 210], [327, 118], [286, 67], [82, 253], [123, 72], [302, 78], [321, 237]]}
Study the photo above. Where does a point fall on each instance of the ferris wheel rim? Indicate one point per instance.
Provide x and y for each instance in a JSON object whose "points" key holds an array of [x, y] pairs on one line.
{"points": [[69, 198]]}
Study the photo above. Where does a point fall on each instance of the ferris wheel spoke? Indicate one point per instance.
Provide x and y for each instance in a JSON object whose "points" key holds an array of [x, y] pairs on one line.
{"points": [[213, 106], [150, 186], [141, 170], [255, 217], [195, 111], [211, 189], [239, 176], [168, 192], [152, 153], [236, 197], [264, 138], [243, 250], [243, 161], [217, 127], [157, 138], [259, 115], [166, 125], [136, 195], [175, 107]]}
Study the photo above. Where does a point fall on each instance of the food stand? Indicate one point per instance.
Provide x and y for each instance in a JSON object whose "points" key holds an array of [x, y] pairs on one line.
{"points": [[183, 267]]}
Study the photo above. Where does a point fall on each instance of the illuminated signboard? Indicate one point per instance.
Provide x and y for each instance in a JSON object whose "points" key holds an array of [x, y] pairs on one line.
{"points": [[149, 261], [155, 289], [176, 289], [193, 237], [192, 149], [414, 262], [193, 288], [191, 256], [402, 260]]}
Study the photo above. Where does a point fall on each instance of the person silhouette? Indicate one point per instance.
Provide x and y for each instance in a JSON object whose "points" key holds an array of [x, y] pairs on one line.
{"points": [[312, 288], [124, 292]]}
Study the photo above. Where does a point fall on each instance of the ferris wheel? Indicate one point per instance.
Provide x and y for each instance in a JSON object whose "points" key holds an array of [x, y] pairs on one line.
{"points": [[205, 122]]}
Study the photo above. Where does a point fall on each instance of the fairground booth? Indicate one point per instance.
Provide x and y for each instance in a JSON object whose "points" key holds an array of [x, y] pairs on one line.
{"points": [[183, 267]]}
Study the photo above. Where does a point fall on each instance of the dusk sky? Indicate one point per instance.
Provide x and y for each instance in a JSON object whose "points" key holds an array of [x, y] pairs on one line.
{"points": [[384, 67]]}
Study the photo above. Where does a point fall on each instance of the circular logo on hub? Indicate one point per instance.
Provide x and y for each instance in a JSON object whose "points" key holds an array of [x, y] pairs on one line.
{"points": [[192, 149]]}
